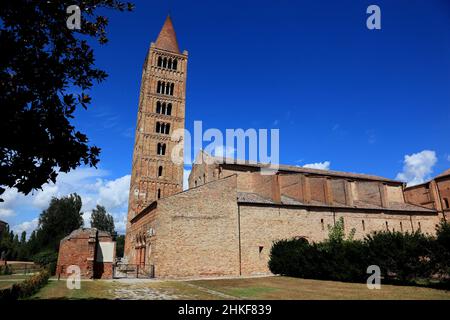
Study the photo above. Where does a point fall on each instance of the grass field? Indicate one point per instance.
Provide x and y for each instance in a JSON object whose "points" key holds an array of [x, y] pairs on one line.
{"points": [[249, 288], [8, 280]]}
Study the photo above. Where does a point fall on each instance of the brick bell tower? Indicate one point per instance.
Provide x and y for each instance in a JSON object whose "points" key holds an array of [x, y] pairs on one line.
{"points": [[161, 111]]}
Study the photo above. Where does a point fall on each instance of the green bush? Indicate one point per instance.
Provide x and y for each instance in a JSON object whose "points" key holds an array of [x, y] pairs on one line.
{"points": [[441, 252], [402, 257], [26, 288], [5, 270], [47, 259]]}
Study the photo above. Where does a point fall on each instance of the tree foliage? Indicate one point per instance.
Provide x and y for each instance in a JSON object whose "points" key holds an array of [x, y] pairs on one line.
{"points": [[402, 257], [102, 220], [120, 245], [46, 71], [61, 217]]}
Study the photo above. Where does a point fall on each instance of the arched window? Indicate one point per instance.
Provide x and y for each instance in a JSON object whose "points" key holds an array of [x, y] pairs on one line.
{"points": [[159, 193], [158, 107], [169, 109], [160, 171], [161, 149], [169, 65], [163, 109], [174, 65], [167, 127], [401, 226], [447, 206], [158, 89], [165, 62], [159, 62], [163, 128], [171, 88], [158, 127]]}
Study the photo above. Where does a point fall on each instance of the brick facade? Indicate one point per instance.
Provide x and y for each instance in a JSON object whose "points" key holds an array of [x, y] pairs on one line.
{"points": [[161, 113], [81, 248], [434, 194], [227, 220], [226, 226]]}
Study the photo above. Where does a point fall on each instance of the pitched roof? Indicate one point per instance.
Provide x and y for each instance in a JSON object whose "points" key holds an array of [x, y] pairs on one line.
{"points": [[443, 174], [297, 169], [167, 38], [85, 233]]}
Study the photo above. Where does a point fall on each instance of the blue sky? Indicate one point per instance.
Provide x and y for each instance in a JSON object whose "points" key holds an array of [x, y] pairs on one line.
{"points": [[344, 97]]}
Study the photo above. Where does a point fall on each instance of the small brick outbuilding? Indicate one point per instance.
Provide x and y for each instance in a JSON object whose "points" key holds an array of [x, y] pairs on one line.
{"points": [[90, 249]]}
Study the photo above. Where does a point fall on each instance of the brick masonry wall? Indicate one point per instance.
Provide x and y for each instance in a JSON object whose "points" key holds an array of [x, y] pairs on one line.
{"points": [[443, 186], [434, 195], [262, 225], [78, 251], [201, 232], [420, 195], [198, 232]]}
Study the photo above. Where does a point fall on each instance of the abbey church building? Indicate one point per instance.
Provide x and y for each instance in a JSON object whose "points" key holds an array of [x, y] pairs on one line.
{"points": [[226, 222]]}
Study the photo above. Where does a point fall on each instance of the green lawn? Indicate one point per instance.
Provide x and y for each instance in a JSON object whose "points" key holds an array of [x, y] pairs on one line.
{"points": [[250, 288], [299, 289], [9, 280]]}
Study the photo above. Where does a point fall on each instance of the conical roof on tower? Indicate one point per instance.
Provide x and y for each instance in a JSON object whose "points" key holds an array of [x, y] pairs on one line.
{"points": [[167, 38]]}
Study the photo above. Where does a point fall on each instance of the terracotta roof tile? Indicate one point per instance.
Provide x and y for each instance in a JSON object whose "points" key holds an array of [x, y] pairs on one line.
{"points": [[167, 39]]}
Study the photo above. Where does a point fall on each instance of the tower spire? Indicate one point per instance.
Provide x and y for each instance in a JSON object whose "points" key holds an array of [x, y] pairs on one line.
{"points": [[167, 38]]}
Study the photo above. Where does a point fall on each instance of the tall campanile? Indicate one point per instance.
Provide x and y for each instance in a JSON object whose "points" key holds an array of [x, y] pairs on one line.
{"points": [[161, 111]]}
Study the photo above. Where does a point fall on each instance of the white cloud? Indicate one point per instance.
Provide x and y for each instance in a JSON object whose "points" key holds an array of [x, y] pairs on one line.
{"points": [[224, 151], [114, 194], [448, 158], [42, 198], [89, 183], [27, 226], [417, 167], [318, 165], [186, 174], [5, 212]]}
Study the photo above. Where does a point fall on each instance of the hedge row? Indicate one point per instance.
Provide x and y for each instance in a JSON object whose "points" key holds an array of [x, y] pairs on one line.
{"points": [[5, 270], [25, 288], [402, 257]]}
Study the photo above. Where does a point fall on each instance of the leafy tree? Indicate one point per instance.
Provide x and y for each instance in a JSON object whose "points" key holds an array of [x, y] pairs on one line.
{"points": [[102, 220], [441, 250], [62, 217], [336, 233], [120, 244], [42, 65], [401, 256]]}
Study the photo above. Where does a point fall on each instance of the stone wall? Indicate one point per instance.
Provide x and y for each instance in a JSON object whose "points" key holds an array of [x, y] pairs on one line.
{"points": [[434, 194], [262, 225], [198, 232], [80, 249]]}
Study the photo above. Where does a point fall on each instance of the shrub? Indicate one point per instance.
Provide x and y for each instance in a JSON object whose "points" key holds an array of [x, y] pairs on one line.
{"points": [[47, 259], [441, 250], [403, 257], [5, 270], [291, 257], [26, 288]]}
